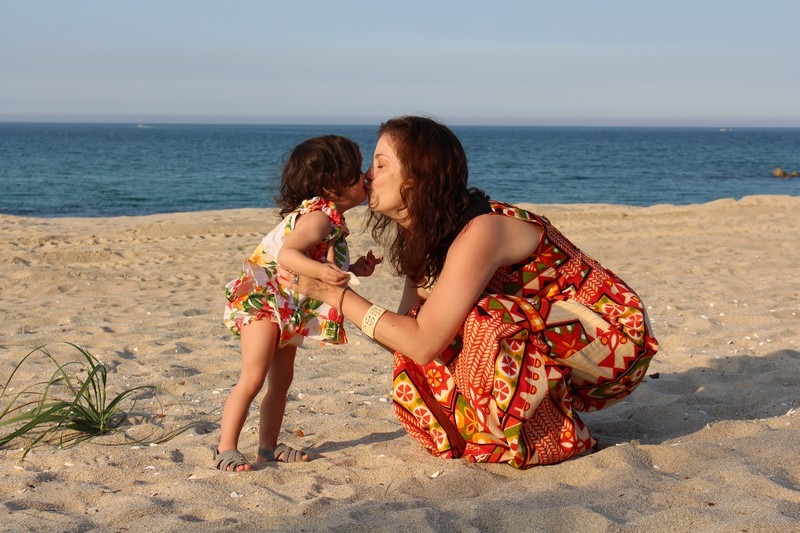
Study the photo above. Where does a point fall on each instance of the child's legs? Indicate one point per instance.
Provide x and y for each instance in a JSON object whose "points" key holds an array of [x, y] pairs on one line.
{"points": [[273, 404], [259, 339]]}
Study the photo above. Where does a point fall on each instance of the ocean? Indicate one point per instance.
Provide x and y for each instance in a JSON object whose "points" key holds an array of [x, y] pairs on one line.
{"points": [[99, 170]]}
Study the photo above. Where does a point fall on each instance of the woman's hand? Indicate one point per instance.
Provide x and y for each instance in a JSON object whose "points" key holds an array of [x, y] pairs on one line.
{"points": [[365, 265], [311, 287]]}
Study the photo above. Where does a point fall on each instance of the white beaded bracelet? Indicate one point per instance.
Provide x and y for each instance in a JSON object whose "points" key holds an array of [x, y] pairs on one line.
{"points": [[371, 319]]}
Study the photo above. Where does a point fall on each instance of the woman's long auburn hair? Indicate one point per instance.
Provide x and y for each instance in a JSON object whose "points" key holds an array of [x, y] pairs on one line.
{"points": [[434, 193]]}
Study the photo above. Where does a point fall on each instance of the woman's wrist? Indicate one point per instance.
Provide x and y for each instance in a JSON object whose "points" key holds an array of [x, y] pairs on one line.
{"points": [[341, 300], [369, 319], [330, 294]]}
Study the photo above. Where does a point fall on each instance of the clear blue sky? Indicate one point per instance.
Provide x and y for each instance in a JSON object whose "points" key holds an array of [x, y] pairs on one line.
{"points": [[590, 62]]}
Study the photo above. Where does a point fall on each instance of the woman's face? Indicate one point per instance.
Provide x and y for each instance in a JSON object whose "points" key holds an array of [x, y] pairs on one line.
{"points": [[384, 180]]}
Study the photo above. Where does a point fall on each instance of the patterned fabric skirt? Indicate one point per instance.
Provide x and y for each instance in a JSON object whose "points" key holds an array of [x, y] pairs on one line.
{"points": [[509, 387]]}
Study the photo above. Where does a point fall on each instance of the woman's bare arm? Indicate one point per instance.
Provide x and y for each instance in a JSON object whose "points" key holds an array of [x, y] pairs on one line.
{"points": [[486, 244]]}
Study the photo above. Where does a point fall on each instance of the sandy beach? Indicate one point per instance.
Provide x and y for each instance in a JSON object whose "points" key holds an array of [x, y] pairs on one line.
{"points": [[709, 441]]}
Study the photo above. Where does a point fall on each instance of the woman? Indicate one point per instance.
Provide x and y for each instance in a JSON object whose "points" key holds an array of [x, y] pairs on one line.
{"points": [[505, 329]]}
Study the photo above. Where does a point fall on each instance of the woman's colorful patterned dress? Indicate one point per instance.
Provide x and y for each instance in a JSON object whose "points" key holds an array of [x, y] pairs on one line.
{"points": [[551, 336], [256, 293]]}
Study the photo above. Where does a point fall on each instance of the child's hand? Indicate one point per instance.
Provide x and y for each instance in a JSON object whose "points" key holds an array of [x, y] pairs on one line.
{"points": [[365, 265], [333, 275]]}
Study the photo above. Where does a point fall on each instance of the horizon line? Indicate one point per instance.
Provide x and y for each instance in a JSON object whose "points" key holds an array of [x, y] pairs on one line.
{"points": [[296, 120]]}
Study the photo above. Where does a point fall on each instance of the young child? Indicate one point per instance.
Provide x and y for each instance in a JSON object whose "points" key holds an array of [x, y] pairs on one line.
{"points": [[321, 179]]}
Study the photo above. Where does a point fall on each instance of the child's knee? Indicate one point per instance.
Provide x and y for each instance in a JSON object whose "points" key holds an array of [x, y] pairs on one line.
{"points": [[250, 384]]}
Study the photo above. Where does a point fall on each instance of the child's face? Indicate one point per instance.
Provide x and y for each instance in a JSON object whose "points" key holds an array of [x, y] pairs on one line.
{"points": [[352, 196]]}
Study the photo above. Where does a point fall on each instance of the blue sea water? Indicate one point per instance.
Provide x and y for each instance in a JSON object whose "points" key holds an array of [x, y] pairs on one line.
{"points": [[90, 170]]}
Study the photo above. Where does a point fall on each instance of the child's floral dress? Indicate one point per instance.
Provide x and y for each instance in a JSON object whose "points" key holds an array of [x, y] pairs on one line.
{"points": [[256, 293]]}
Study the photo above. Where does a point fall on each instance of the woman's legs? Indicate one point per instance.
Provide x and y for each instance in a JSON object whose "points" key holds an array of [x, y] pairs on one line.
{"points": [[259, 339]]}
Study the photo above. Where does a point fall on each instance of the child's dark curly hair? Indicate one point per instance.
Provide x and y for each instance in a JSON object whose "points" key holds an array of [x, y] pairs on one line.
{"points": [[321, 166]]}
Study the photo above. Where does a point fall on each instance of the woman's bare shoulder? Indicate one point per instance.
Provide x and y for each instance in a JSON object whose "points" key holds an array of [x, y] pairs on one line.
{"points": [[506, 239]]}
